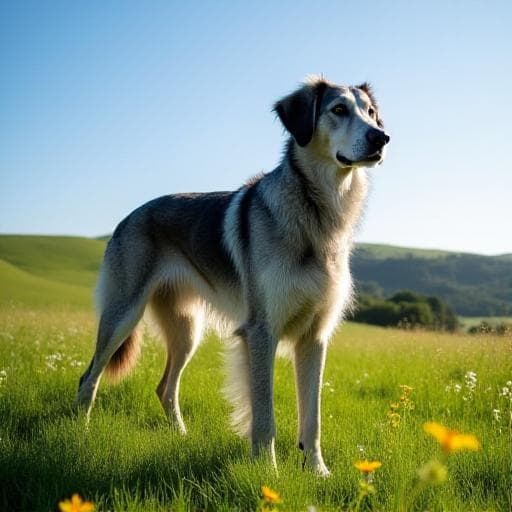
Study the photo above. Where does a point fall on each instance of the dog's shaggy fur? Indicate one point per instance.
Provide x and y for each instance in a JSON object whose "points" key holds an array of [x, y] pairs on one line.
{"points": [[270, 261]]}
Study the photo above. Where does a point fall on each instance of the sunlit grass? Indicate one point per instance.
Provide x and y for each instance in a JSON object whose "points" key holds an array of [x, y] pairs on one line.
{"points": [[129, 459]]}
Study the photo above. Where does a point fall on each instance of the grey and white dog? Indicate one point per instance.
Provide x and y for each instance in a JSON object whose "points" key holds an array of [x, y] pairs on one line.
{"points": [[270, 260]]}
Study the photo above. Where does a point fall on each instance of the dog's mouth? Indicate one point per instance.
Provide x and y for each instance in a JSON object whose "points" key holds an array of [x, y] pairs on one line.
{"points": [[374, 157]]}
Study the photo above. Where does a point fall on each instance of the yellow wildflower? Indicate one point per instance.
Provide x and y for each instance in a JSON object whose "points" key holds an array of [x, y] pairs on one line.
{"points": [[366, 466], [451, 440], [75, 504], [270, 495]]}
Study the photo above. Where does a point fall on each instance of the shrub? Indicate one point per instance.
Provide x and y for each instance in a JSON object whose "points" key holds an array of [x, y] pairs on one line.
{"points": [[406, 309]]}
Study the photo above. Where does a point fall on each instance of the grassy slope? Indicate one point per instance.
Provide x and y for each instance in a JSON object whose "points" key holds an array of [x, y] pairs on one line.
{"points": [[36, 270], [129, 459], [70, 260], [20, 287]]}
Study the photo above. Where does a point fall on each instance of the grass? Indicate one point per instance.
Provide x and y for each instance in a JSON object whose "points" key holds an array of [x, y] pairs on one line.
{"points": [[129, 459], [22, 288], [65, 259], [42, 270]]}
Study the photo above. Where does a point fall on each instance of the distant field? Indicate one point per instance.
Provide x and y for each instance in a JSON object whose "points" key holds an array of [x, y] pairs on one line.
{"points": [[471, 321], [380, 251], [129, 459]]}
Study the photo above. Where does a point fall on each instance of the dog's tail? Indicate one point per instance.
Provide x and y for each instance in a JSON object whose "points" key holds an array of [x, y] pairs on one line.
{"points": [[237, 387], [124, 358]]}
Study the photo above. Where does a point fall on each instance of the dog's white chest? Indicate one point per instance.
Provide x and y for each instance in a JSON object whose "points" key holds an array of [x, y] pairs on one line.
{"points": [[306, 297]]}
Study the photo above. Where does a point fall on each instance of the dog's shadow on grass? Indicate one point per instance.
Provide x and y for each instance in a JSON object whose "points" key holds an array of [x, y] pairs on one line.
{"points": [[38, 480]]}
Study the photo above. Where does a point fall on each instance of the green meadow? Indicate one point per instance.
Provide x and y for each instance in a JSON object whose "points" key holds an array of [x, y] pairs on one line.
{"points": [[128, 457]]}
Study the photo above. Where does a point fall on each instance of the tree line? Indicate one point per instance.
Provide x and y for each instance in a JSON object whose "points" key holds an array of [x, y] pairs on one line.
{"points": [[405, 309]]}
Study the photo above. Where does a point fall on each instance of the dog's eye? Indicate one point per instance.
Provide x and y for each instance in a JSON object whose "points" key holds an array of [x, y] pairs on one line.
{"points": [[371, 112], [340, 110]]}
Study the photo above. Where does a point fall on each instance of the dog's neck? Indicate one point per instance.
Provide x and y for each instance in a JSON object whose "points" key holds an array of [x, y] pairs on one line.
{"points": [[323, 173], [339, 193]]}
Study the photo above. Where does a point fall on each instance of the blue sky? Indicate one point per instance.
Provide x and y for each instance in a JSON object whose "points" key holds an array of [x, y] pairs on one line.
{"points": [[105, 105]]}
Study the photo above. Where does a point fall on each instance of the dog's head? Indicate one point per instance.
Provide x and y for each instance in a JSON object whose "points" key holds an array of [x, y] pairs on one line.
{"points": [[338, 123]]}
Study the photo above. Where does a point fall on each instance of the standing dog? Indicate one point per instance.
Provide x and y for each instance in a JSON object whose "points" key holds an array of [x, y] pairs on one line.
{"points": [[271, 259]]}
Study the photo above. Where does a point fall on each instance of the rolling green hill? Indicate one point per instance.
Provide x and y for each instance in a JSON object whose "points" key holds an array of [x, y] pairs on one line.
{"points": [[37, 270], [66, 259], [62, 270]]}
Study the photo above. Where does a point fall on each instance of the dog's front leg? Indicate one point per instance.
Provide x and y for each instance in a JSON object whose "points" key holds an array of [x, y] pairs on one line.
{"points": [[309, 368], [261, 350]]}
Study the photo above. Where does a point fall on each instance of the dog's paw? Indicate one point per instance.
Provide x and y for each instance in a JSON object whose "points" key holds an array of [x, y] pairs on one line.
{"points": [[315, 463], [322, 471]]}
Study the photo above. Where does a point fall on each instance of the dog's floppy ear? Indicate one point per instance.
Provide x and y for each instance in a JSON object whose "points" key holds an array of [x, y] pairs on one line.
{"points": [[299, 111]]}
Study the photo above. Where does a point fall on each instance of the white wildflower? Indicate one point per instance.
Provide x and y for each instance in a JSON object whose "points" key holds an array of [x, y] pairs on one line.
{"points": [[470, 381], [496, 415], [457, 388], [52, 360]]}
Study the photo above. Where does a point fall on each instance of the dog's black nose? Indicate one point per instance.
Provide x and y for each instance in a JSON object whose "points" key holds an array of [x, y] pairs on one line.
{"points": [[377, 138]]}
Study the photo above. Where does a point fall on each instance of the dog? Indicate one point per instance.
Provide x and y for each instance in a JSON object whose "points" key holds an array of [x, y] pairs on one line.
{"points": [[269, 260]]}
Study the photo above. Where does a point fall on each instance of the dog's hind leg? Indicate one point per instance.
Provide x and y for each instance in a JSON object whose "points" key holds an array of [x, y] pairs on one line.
{"points": [[309, 367], [117, 347], [181, 326]]}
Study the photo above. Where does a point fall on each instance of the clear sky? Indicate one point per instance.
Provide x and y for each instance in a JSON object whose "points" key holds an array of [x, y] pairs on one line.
{"points": [[107, 104]]}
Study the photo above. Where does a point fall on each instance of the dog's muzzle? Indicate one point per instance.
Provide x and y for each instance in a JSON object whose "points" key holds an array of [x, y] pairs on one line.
{"points": [[376, 140]]}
